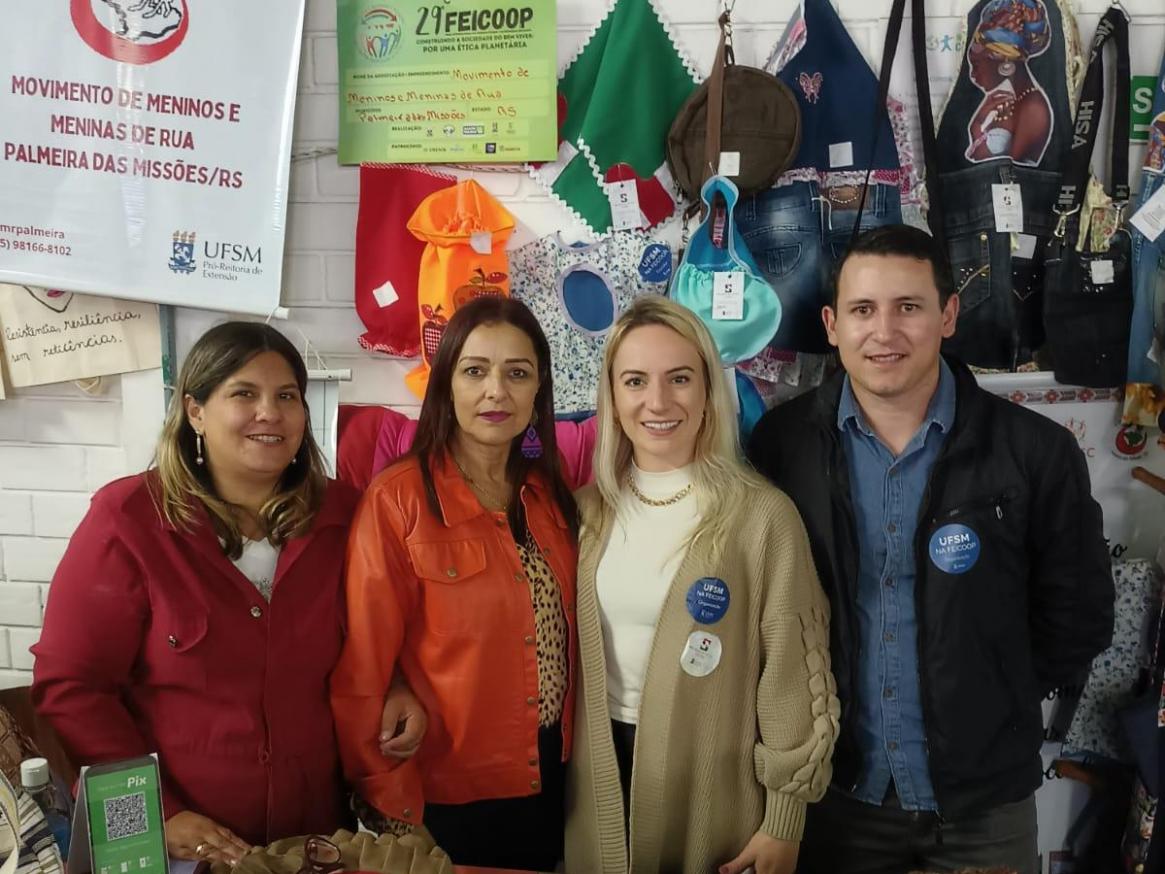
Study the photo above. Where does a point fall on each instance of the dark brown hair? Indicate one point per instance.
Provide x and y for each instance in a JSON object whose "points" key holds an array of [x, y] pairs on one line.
{"points": [[904, 240], [438, 424], [181, 482]]}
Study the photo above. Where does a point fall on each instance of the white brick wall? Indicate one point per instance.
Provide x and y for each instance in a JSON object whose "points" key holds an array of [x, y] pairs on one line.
{"points": [[57, 445]]}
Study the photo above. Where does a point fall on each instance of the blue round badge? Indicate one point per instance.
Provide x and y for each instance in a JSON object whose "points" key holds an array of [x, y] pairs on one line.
{"points": [[954, 549], [655, 265], [708, 600]]}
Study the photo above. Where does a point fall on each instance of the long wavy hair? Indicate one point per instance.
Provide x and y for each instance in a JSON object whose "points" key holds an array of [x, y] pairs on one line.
{"points": [[721, 480], [181, 485], [438, 424]]}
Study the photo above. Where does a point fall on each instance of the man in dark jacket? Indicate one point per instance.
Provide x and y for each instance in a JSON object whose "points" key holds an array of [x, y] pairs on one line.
{"points": [[962, 552]]}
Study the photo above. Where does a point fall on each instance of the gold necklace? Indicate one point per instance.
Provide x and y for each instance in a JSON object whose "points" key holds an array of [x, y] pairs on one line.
{"points": [[659, 502], [480, 489]]}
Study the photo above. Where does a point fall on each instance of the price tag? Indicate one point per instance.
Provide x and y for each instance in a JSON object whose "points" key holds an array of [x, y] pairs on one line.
{"points": [[728, 296], [1102, 272], [386, 294], [729, 164], [1025, 246], [624, 199], [1150, 218], [482, 242], [841, 155], [1008, 203]]}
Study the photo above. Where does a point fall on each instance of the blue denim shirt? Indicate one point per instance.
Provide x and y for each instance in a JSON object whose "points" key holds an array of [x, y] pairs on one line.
{"points": [[886, 493]]}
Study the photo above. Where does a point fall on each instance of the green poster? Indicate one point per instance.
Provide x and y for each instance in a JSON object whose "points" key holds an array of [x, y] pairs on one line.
{"points": [[124, 807], [457, 81], [1141, 97]]}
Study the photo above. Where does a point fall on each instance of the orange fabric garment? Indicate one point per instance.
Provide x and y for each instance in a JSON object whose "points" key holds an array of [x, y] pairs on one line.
{"points": [[446, 598], [465, 231]]}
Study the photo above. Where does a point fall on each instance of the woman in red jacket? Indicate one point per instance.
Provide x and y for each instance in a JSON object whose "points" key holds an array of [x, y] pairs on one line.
{"points": [[198, 609], [461, 572]]}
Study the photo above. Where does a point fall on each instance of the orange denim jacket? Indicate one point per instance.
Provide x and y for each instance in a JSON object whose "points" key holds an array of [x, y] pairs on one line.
{"points": [[446, 599]]}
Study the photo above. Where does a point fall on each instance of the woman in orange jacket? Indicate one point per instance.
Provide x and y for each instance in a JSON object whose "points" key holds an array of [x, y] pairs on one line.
{"points": [[461, 578]]}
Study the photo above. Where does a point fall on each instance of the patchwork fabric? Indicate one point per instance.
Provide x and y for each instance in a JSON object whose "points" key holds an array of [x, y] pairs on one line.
{"points": [[1115, 672], [576, 293]]}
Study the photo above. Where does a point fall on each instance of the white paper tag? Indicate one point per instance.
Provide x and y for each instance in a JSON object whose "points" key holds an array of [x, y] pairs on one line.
{"points": [[841, 155], [701, 654], [1102, 272], [1008, 203], [482, 242], [1150, 218], [1025, 246], [385, 295], [729, 164], [728, 296], [624, 199]]}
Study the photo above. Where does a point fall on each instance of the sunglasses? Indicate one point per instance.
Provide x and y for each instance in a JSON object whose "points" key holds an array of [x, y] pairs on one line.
{"points": [[320, 856]]}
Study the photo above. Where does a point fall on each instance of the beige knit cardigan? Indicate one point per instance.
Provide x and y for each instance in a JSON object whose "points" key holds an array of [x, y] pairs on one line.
{"points": [[718, 757]]}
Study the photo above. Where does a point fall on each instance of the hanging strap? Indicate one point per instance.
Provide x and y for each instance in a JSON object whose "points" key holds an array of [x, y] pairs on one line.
{"points": [[934, 216], [1074, 183], [724, 57]]}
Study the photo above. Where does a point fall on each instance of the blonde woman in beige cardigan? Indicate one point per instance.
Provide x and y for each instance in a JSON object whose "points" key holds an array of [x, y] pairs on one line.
{"points": [[707, 714]]}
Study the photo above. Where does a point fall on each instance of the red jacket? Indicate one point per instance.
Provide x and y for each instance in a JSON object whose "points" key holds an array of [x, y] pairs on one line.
{"points": [[154, 642], [446, 597]]}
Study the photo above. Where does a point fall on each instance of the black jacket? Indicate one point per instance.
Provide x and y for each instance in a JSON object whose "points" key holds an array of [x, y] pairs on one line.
{"points": [[1029, 615]]}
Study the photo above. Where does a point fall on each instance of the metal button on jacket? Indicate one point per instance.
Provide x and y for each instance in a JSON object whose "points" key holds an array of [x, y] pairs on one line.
{"points": [[256, 611]]}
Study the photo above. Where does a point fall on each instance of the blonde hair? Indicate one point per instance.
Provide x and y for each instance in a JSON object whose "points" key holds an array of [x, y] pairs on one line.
{"points": [[721, 479], [180, 484]]}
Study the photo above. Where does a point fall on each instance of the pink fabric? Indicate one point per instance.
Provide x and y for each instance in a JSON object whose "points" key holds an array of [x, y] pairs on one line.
{"points": [[576, 445]]}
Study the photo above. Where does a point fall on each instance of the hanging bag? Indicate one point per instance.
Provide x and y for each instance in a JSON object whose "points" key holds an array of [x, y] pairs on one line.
{"points": [[720, 282], [1088, 299], [741, 111]]}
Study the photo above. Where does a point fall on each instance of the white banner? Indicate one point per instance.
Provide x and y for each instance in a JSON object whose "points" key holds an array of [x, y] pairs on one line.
{"points": [[146, 147]]}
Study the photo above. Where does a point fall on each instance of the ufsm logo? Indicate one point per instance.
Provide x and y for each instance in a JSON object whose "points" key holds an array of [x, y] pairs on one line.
{"points": [[182, 252]]}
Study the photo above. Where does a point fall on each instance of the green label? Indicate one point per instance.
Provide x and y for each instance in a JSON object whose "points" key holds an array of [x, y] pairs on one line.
{"points": [[460, 81], [1141, 98], [125, 820]]}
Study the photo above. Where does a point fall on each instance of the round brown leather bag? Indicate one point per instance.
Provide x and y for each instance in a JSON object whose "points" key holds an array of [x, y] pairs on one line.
{"points": [[737, 109]]}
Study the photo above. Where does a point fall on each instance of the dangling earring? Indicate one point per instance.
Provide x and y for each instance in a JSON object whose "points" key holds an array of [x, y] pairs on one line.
{"points": [[197, 448], [531, 444]]}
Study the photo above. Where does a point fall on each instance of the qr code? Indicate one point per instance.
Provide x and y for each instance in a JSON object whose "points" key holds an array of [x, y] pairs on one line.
{"points": [[125, 816]]}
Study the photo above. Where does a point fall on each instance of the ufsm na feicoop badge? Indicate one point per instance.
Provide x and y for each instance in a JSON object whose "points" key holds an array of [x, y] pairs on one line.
{"points": [[954, 549], [707, 600]]}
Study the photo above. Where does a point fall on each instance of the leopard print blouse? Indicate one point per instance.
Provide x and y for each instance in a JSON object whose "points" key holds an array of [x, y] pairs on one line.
{"points": [[550, 630]]}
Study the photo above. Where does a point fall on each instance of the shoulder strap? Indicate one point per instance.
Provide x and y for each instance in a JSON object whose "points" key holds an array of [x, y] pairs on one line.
{"points": [[1074, 182], [934, 215], [724, 57]]}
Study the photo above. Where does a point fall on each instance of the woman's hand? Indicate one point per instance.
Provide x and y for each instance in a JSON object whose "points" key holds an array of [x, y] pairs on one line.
{"points": [[766, 855], [402, 722], [191, 835]]}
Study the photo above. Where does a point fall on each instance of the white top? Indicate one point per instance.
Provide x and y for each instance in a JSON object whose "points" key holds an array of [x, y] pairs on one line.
{"points": [[257, 564], [633, 578]]}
